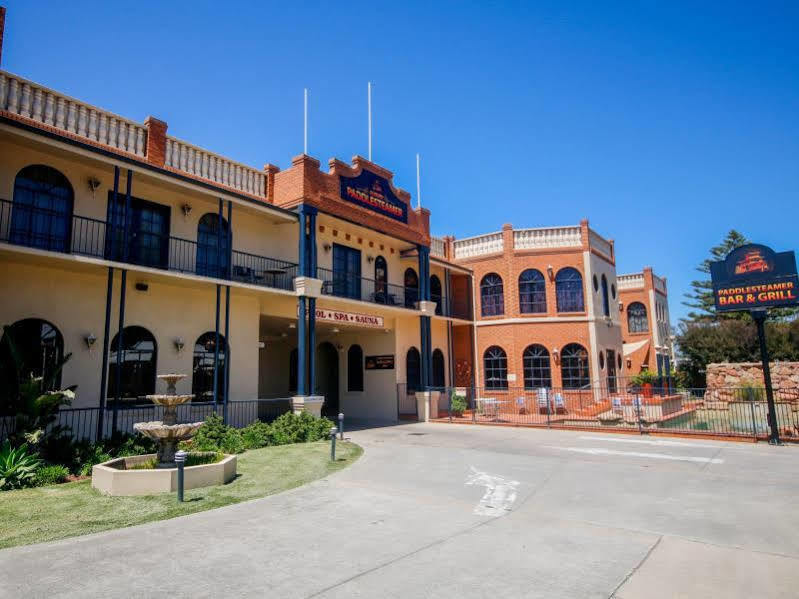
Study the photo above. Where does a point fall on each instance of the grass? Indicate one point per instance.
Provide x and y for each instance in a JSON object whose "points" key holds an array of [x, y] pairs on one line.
{"points": [[66, 510]]}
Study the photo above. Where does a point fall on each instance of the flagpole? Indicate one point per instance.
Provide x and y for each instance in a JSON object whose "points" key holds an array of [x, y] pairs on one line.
{"points": [[369, 111], [305, 123], [418, 184]]}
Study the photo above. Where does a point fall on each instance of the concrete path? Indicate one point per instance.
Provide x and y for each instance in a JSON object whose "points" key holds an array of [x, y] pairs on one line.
{"points": [[437, 510]]}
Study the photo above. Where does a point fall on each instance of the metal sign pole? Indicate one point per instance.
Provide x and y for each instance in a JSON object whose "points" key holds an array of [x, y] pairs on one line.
{"points": [[759, 317]]}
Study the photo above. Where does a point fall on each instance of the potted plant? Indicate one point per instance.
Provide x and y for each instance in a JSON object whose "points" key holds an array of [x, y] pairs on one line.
{"points": [[457, 405], [645, 379]]}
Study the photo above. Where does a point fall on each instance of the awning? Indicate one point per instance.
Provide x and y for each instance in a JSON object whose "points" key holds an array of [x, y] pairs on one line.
{"points": [[631, 348]]}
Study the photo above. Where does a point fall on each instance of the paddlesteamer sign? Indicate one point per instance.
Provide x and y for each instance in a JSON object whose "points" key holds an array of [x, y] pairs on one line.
{"points": [[373, 192], [754, 276]]}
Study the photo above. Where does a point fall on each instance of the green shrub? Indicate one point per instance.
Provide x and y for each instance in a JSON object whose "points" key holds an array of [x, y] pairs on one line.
{"points": [[52, 474], [258, 434], [645, 377], [750, 391], [458, 405], [17, 466], [302, 428], [214, 435]]}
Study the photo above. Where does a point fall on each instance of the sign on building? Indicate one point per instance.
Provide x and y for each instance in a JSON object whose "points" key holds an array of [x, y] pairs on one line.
{"points": [[373, 192], [380, 362], [754, 276], [364, 320]]}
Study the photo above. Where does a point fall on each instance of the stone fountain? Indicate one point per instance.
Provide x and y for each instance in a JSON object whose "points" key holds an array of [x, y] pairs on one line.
{"points": [[168, 433]]}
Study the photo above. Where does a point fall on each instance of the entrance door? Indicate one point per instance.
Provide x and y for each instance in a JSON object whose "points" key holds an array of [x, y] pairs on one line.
{"points": [[611, 371], [346, 271], [148, 231], [327, 378]]}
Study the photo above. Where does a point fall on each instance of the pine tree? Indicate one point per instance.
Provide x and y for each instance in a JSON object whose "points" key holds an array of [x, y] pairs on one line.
{"points": [[700, 299]]}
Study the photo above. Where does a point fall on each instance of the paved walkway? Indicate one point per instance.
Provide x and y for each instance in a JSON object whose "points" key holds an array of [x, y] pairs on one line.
{"points": [[437, 510]]}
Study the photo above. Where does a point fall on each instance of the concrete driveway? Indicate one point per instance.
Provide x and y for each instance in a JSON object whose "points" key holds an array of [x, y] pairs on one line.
{"points": [[437, 510]]}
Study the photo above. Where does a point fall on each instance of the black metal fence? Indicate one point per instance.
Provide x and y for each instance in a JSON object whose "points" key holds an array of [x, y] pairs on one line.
{"points": [[729, 412], [50, 230], [342, 284], [82, 423]]}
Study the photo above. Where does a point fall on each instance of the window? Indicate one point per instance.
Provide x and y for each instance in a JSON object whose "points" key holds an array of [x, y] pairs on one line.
{"points": [[636, 318], [413, 370], [613, 291], [381, 280], [435, 292], [39, 347], [148, 231], [202, 378], [411, 282], [492, 297], [41, 213], [495, 364], [346, 271], [537, 371], [138, 361], [438, 369], [569, 290], [213, 246], [601, 360], [355, 368], [612, 387], [574, 367], [532, 292], [605, 299]]}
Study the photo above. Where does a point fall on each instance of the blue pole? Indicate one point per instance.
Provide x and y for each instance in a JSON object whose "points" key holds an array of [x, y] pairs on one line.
{"points": [[120, 350], [312, 345], [106, 333], [227, 312], [216, 349], [302, 364]]}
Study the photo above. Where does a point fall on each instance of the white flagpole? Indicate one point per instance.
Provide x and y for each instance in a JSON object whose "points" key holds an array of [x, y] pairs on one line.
{"points": [[369, 110], [418, 184], [305, 123]]}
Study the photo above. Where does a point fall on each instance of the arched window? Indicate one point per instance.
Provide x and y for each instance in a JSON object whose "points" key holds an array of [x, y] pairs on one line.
{"points": [[411, 282], [492, 296], [637, 321], [413, 370], [495, 365], [138, 361], [212, 246], [39, 350], [381, 280], [537, 371], [438, 369], [605, 299], [355, 368], [202, 378], [574, 367], [532, 292], [293, 370], [435, 292], [41, 214], [569, 290]]}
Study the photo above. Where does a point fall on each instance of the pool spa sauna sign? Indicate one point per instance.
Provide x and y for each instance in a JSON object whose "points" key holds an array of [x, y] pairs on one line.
{"points": [[755, 277], [375, 193]]}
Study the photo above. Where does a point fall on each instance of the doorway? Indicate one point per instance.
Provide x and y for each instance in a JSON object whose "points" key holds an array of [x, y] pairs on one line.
{"points": [[327, 378]]}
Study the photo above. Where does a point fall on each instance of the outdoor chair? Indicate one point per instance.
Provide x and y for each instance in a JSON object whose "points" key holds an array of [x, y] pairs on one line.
{"points": [[543, 401], [521, 404], [560, 404]]}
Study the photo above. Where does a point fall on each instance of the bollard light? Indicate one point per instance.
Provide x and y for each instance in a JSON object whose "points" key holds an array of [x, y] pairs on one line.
{"points": [[333, 432], [180, 460], [341, 425]]}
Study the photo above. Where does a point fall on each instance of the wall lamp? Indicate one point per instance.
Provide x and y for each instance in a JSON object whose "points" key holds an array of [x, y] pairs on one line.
{"points": [[90, 340], [370, 259], [621, 306], [555, 352], [550, 272], [179, 345], [93, 183], [186, 208], [327, 247]]}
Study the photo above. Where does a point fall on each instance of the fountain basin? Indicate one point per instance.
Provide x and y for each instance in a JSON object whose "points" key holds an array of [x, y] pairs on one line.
{"points": [[113, 477]]}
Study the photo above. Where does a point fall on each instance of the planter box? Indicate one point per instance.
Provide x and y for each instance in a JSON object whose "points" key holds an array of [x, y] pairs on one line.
{"points": [[112, 479]]}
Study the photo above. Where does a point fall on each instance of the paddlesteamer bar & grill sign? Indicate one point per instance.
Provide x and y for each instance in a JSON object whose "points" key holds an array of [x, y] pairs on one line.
{"points": [[373, 192], [754, 278]]}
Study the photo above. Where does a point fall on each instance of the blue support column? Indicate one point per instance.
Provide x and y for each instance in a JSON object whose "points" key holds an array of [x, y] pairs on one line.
{"points": [[122, 295], [303, 243], [104, 374], [310, 271], [302, 363], [226, 383], [424, 321]]}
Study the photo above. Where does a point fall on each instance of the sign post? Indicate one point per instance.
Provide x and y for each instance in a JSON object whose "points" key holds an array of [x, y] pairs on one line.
{"points": [[754, 278]]}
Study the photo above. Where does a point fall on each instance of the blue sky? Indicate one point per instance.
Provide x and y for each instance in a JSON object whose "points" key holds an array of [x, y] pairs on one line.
{"points": [[664, 123]]}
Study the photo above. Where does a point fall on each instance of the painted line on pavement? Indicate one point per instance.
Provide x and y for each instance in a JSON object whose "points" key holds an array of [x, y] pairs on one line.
{"points": [[660, 442], [499, 496], [636, 454]]}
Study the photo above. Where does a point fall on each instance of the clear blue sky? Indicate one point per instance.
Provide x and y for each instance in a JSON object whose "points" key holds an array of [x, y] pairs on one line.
{"points": [[664, 123]]}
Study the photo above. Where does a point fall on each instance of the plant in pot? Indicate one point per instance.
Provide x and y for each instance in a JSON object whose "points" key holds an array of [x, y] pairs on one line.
{"points": [[457, 405], [645, 380]]}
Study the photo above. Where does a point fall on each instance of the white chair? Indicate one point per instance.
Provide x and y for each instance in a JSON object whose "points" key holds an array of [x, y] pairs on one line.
{"points": [[560, 403], [543, 400]]}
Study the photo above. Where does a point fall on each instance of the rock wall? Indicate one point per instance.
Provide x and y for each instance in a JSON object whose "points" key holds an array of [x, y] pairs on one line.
{"points": [[784, 375]]}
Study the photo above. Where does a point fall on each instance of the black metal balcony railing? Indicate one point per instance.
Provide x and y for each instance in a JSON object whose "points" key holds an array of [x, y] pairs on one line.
{"points": [[343, 284], [450, 306], [54, 231]]}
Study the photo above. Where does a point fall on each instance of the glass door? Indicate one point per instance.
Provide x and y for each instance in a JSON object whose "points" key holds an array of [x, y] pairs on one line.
{"points": [[346, 272]]}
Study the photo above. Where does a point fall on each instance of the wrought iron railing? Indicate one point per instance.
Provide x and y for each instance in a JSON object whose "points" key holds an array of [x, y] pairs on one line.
{"points": [[56, 231], [341, 284]]}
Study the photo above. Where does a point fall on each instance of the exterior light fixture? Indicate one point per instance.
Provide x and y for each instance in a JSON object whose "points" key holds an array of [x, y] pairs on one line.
{"points": [[292, 326], [370, 259], [261, 345], [621, 306], [179, 344], [90, 340], [336, 330], [629, 363], [93, 183], [555, 353], [327, 247], [550, 272], [186, 208]]}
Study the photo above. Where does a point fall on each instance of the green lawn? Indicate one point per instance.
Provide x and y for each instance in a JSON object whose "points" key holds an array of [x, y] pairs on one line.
{"points": [[59, 511]]}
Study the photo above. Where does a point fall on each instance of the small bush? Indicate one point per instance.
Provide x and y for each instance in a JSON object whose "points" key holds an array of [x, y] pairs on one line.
{"points": [[17, 466], [302, 428], [750, 391], [258, 434], [214, 435], [193, 459], [458, 405], [52, 474]]}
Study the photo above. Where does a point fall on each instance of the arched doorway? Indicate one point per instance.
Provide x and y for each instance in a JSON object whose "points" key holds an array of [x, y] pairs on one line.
{"points": [[327, 378]]}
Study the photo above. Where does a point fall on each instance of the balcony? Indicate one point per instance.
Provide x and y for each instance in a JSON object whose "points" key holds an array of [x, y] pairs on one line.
{"points": [[452, 307], [342, 284], [55, 231]]}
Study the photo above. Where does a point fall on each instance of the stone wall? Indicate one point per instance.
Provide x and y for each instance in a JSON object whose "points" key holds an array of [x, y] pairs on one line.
{"points": [[784, 375]]}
